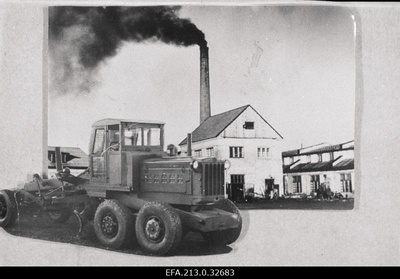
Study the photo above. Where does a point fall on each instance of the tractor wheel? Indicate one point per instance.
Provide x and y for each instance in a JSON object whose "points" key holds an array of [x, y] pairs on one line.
{"points": [[228, 236], [113, 224], [8, 208], [59, 216], [158, 228]]}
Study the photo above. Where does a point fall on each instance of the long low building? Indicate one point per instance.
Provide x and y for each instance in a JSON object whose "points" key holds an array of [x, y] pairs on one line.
{"points": [[306, 169], [72, 157]]}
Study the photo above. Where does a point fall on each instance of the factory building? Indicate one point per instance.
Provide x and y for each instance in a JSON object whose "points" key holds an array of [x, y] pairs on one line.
{"points": [[305, 170], [249, 142]]}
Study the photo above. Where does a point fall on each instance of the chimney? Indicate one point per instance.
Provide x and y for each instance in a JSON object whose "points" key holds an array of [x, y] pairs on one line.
{"points": [[205, 104]]}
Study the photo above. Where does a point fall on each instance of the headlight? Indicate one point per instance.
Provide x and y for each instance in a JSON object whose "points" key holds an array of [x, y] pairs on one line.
{"points": [[227, 164], [195, 165]]}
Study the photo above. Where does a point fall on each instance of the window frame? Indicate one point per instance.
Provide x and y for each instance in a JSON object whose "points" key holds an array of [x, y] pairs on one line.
{"points": [[198, 153], [95, 141], [210, 151], [266, 154], [236, 152], [248, 125]]}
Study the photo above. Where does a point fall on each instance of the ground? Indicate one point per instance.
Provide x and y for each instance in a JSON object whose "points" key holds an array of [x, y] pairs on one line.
{"points": [[303, 204], [33, 223]]}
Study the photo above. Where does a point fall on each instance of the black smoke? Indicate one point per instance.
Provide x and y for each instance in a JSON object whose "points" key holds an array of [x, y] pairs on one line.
{"points": [[81, 38]]}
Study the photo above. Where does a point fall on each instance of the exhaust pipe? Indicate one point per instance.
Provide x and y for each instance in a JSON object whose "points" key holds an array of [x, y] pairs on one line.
{"points": [[205, 103]]}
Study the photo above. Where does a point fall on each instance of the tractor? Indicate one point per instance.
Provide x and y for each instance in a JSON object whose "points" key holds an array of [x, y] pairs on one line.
{"points": [[134, 190]]}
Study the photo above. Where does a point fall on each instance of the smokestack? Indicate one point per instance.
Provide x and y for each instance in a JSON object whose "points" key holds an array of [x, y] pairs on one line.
{"points": [[205, 104]]}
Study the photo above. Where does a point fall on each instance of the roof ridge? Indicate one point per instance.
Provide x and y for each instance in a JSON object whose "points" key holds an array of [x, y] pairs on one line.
{"points": [[242, 107], [237, 111]]}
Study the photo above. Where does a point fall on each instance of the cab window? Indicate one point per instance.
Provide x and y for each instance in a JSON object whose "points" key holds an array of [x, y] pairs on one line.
{"points": [[98, 141], [113, 136], [142, 136]]}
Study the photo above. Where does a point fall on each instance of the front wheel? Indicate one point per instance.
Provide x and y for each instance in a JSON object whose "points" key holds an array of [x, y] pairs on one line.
{"points": [[8, 208], [158, 228], [113, 224], [228, 236]]}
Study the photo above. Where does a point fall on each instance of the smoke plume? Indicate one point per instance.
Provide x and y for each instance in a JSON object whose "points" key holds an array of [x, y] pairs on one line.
{"points": [[81, 38]]}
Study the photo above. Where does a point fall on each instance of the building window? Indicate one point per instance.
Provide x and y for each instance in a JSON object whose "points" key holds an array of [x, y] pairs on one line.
{"points": [[236, 152], [210, 152], [248, 125], [331, 156], [315, 182], [345, 181], [319, 158], [263, 152], [237, 179], [64, 158], [297, 184], [198, 153], [51, 157]]}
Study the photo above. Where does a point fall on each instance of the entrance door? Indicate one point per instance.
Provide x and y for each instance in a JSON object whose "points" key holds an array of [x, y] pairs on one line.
{"points": [[237, 187], [269, 186]]}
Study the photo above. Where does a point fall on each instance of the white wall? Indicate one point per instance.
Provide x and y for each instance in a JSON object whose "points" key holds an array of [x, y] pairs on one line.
{"points": [[255, 169], [334, 176], [23, 106], [261, 129]]}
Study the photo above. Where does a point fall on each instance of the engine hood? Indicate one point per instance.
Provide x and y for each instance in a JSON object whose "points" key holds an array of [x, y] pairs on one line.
{"points": [[177, 161]]}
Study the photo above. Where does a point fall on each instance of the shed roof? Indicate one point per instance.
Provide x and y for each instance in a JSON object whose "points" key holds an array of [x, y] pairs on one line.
{"points": [[76, 157], [321, 166]]}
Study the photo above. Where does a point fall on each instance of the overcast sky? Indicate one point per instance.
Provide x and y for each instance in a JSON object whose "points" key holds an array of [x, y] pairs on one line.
{"points": [[295, 66]]}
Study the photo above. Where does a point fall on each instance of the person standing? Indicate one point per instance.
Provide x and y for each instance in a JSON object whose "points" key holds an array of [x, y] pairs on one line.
{"points": [[329, 193]]}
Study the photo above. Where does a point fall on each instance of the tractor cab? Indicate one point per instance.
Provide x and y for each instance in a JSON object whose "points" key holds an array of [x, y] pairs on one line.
{"points": [[117, 147]]}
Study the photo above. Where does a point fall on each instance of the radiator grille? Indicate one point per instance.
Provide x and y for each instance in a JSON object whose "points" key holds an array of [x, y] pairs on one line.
{"points": [[213, 179]]}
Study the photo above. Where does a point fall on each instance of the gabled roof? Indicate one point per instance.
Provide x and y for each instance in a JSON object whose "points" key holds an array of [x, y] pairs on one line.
{"points": [[76, 158], [216, 124]]}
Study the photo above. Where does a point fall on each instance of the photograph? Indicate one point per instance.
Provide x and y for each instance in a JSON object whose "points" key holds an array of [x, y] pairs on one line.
{"points": [[163, 134], [165, 122]]}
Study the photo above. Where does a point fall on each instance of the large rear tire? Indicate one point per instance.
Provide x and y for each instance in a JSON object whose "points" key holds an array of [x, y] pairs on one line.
{"points": [[8, 208], [228, 236], [158, 228], [113, 224]]}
